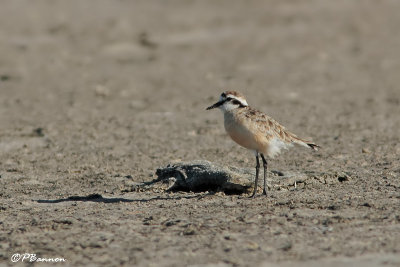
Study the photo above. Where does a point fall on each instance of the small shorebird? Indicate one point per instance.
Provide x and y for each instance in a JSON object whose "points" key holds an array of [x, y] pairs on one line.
{"points": [[255, 130]]}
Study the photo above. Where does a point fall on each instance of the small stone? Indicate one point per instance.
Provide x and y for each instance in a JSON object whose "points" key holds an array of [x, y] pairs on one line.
{"points": [[285, 246], [38, 132], [227, 249], [365, 151], [343, 178], [250, 245], [190, 230], [101, 91]]}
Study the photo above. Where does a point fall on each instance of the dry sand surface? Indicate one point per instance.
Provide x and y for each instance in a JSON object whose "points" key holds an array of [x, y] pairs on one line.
{"points": [[96, 95]]}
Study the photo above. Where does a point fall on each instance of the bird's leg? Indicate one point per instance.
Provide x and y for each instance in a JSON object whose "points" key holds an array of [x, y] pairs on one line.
{"points": [[256, 181], [265, 174]]}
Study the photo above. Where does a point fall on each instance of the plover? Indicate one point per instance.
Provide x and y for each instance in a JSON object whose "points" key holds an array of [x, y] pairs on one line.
{"points": [[255, 130]]}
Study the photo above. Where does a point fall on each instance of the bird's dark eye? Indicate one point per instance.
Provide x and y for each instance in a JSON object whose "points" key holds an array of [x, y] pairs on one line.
{"points": [[236, 102], [228, 98]]}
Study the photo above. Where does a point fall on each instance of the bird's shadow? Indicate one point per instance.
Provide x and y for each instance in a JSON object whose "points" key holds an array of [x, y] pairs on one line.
{"points": [[101, 199]]}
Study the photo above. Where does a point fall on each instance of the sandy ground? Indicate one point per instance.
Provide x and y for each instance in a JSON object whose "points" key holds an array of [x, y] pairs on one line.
{"points": [[96, 95]]}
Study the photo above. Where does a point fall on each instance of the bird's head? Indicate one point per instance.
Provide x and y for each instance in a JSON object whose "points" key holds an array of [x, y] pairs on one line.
{"points": [[230, 100]]}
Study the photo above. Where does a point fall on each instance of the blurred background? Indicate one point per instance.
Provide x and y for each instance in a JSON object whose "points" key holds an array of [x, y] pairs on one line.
{"points": [[145, 70]]}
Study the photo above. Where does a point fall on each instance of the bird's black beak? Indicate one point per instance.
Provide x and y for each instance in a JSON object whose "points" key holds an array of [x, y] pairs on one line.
{"points": [[215, 105]]}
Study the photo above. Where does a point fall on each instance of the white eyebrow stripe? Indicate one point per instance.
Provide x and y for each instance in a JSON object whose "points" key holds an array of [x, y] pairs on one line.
{"points": [[241, 100]]}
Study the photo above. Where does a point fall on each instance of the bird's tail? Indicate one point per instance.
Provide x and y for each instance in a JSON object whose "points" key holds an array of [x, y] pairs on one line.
{"points": [[313, 146], [306, 143]]}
